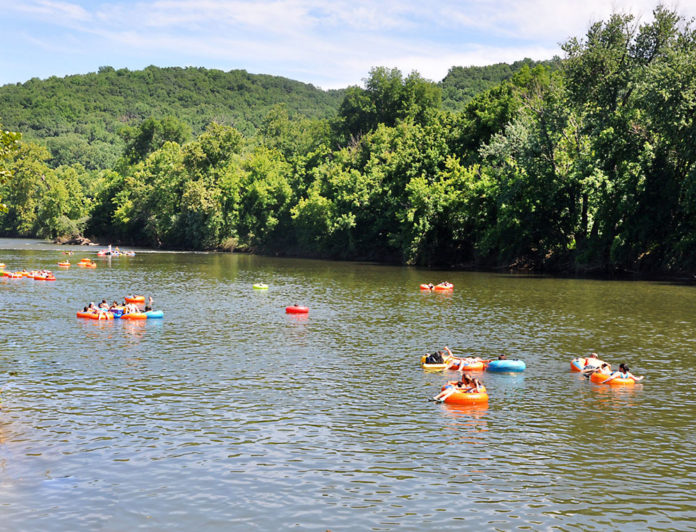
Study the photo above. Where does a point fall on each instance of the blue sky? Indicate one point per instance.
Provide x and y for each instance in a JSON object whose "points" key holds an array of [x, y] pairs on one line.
{"points": [[330, 43]]}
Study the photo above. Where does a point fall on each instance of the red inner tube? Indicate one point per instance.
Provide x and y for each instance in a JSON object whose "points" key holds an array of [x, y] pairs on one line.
{"points": [[296, 309]]}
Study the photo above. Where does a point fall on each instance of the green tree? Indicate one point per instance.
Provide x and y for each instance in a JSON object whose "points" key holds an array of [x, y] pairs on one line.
{"points": [[25, 192], [387, 98], [610, 82], [151, 135], [9, 143], [265, 199], [64, 208]]}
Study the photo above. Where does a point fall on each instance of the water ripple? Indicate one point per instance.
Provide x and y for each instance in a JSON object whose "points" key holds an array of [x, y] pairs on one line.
{"points": [[230, 414]]}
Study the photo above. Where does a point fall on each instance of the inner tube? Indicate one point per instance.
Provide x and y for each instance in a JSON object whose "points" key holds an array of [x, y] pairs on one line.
{"points": [[135, 299], [581, 363], [443, 287], [260, 286], [599, 378], [117, 312], [457, 364], [461, 397], [44, 278], [134, 316], [426, 287], [296, 309], [506, 366], [154, 314], [65, 264], [95, 315], [577, 364], [434, 367]]}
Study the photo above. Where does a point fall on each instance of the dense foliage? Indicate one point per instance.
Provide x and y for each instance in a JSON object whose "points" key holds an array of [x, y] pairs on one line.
{"points": [[79, 118], [462, 84], [589, 165], [9, 142]]}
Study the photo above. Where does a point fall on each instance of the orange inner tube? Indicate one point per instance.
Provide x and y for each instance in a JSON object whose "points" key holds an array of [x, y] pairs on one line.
{"points": [[134, 316], [460, 397], [466, 398], [135, 299], [599, 378], [441, 288], [95, 315], [456, 365], [575, 365]]}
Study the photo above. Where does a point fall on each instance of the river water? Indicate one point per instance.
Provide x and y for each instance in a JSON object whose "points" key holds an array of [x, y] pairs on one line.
{"points": [[229, 414]]}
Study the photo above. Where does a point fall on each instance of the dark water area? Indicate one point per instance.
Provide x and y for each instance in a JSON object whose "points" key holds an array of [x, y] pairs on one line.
{"points": [[229, 414]]}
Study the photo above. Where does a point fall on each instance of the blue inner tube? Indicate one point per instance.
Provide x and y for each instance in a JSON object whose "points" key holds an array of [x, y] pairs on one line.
{"points": [[117, 312], [506, 365], [154, 314]]}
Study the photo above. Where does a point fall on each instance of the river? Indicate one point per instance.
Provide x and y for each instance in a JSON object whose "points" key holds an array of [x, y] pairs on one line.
{"points": [[229, 414]]}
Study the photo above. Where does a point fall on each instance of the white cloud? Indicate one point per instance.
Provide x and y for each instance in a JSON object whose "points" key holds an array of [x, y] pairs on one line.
{"points": [[435, 68], [331, 44], [57, 12], [547, 19]]}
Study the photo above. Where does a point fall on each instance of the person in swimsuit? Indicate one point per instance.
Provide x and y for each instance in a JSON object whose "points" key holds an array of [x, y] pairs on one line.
{"points": [[623, 373]]}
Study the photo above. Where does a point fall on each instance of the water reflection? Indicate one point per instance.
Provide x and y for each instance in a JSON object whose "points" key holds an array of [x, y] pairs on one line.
{"points": [[136, 329], [617, 397], [297, 318], [468, 421]]}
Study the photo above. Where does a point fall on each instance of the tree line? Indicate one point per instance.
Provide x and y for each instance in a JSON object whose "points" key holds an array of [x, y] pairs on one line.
{"points": [[585, 164]]}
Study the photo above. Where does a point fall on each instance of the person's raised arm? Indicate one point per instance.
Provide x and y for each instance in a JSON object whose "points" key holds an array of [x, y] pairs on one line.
{"points": [[611, 378]]}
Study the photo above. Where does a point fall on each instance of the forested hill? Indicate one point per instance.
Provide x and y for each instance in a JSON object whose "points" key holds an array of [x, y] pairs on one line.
{"points": [[78, 117], [461, 84]]}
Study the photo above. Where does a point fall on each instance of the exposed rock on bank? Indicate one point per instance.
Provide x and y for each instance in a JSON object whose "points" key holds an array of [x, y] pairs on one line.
{"points": [[75, 241]]}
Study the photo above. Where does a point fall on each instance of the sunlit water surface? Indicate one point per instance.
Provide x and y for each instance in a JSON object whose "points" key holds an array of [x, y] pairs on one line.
{"points": [[229, 414]]}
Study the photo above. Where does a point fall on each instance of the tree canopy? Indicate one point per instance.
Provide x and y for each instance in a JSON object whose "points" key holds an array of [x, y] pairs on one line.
{"points": [[80, 117]]}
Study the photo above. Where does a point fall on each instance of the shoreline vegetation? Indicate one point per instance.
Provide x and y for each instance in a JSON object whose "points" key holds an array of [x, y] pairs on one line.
{"points": [[583, 165]]}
